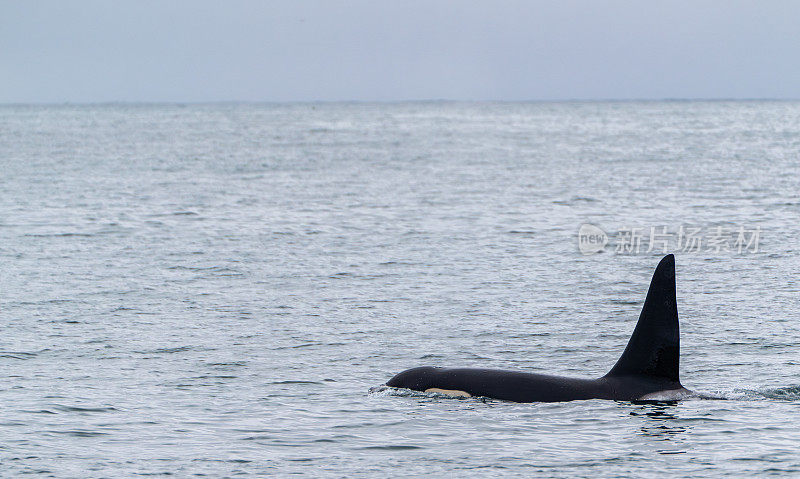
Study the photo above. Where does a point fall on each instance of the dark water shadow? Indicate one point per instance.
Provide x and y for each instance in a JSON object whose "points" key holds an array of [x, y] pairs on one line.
{"points": [[660, 421]]}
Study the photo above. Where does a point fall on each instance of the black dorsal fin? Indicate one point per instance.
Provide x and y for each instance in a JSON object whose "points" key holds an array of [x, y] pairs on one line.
{"points": [[654, 347]]}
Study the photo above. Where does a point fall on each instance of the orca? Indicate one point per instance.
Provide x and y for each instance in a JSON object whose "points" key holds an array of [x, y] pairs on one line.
{"points": [[647, 369]]}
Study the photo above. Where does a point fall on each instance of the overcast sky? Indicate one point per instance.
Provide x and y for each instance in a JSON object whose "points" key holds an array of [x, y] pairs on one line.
{"points": [[200, 50]]}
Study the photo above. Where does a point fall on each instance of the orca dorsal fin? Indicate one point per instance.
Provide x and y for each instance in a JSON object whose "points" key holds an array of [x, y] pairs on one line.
{"points": [[654, 347]]}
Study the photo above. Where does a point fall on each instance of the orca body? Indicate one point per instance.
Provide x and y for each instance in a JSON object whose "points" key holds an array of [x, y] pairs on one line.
{"points": [[647, 369]]}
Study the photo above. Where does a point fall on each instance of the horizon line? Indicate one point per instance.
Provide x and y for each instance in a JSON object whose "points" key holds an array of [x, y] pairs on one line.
{"points": [[421, 100]]}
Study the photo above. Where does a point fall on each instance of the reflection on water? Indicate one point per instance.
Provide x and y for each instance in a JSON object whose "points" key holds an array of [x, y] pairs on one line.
{"points": [[660, 422]]}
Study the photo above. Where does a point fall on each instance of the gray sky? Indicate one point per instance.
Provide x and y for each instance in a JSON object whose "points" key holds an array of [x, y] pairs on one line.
{"points": [[200, 50]]}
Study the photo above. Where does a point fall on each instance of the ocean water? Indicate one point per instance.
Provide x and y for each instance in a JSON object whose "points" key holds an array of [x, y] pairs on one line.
{"points": [[219, 290]]}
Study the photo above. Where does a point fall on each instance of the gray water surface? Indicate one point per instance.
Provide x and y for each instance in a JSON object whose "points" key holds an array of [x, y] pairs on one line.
{"points": [[214, 289]]}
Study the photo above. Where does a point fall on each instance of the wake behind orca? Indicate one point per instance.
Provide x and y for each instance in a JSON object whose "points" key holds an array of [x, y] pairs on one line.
{"points": [[647, 369]]}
